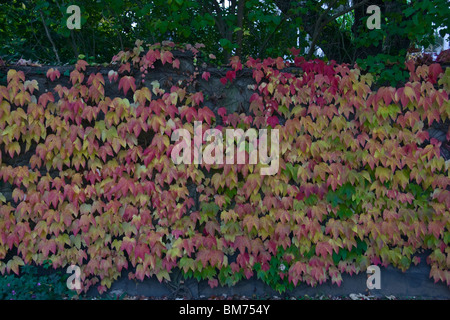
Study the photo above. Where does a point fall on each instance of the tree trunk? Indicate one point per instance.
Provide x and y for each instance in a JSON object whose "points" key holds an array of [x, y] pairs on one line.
{"points": [[240, 25]]}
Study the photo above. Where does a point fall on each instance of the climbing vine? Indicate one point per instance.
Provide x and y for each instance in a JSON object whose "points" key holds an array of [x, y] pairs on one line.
{"points": [[360, 181]]}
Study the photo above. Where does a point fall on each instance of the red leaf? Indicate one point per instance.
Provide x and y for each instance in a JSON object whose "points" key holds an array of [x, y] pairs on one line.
{"points": [[295, 52], [206, 75], [128, 244], [53, 74], [81, 64], [152, 56], [205, 114], [76, 76], [125, 67], [45, 97], [197, 98], [203, 256], [222, 111], [230, 75], [422, 136], [126, 82], [280, 63], [166, 56], [273, 121], [213, 283], [257, 75], [189, 113], [434, 71], [140, 250], [236, 63], [324, 249]]}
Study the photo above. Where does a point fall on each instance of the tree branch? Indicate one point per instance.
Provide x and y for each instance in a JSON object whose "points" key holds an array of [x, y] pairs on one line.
{"points": [[50, 37], [218, 18], [338, 14], [318, 28]]}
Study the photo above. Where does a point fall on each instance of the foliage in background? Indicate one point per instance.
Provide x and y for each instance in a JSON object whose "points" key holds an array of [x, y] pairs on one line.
{"points": [[34, 286], [245, 28], [360, 180]]}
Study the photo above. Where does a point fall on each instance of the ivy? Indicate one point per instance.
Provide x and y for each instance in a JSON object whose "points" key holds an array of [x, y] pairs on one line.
{"points": [[343, 195], [349, 255], [359, 182]]}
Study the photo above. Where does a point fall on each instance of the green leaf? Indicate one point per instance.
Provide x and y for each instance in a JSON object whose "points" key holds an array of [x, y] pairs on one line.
{"points": [[344, 212], [311, 200], [336, 257], [333, 198], [409, 11]]}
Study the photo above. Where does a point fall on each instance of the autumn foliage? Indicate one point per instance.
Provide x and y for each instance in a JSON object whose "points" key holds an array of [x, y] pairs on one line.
{"points": [[360, 181]]}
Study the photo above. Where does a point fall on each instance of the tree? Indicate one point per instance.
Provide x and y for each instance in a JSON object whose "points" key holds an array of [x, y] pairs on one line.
{"points": [[259, 28]]}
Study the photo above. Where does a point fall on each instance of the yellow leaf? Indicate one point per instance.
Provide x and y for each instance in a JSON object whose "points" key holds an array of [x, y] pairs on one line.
{"points": [[174, 98], [401, 178], [10, 75], [106, 282], [383, 174], [163, 274], [13, 148], [409, 92], [116, 244]]}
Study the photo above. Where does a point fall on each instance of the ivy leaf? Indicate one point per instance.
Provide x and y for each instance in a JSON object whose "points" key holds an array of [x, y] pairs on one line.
{"points": [[222, 111], [206, 75], [176, 64], [273, 121], [76, 76], [127, 82], [434, 70], [13, 148], [383, 174], [197, 98], [14, 264], [235, 63], [251, 221], [112, 76], [166, 56], [14, 75], [53, 74], [258, 75], [324, 249], [230, 75], [205, 114], [81, 65], [142, 95], [128, 244], [333, 198]]}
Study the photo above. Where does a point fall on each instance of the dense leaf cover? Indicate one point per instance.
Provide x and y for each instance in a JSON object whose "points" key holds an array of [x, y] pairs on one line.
{"points": [[360, 181]]}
